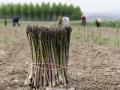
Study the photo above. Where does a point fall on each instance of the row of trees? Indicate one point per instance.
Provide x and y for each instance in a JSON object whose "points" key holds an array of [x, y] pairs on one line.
{"points": [[43, 11]]}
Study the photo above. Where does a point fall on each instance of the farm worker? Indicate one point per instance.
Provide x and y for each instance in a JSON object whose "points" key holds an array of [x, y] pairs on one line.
{"points": [[5, 23], [113, 24], [59, 20], [65, 21], [16, 20], [83, 19], [98, 22]]}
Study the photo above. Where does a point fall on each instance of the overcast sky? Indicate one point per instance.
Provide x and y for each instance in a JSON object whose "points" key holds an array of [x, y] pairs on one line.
{"points": [[86, 5]]}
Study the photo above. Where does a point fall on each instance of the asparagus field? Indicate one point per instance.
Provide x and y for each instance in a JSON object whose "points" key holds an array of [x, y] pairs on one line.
{"points": [[94, 57]]}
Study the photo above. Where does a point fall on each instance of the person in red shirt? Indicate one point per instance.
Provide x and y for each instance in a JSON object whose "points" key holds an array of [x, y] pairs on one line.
{"points": [[83, 19]]}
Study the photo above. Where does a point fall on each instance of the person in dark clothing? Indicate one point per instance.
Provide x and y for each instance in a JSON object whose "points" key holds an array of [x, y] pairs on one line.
{"points": [[98, 22], [5, 23], [16, 21]]}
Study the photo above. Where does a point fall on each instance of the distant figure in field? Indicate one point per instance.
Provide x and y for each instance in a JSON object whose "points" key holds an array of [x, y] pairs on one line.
{"points": [[83, 19], [16, 21], [113, 24], [5, 22], [65, 21], [60, 20], [98, 22]]}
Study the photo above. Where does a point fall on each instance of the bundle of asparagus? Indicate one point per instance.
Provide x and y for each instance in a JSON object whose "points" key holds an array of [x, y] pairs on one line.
{"points": [[50, 52]]}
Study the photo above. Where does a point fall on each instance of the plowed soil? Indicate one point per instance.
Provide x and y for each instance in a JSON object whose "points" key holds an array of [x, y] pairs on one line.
{"points": [[91, 66]]}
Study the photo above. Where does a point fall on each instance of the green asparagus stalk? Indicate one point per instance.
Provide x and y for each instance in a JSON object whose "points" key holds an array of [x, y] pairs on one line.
{"points": [[50, 52]]}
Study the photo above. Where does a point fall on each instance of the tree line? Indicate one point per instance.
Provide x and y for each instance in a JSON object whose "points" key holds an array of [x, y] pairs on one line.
{"points": [[43, 11]]}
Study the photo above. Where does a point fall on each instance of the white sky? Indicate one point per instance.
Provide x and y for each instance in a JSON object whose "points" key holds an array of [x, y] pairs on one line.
{"points": [[86, 5]]}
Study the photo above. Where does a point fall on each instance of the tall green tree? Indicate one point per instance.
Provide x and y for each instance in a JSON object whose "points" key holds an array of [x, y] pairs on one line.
{"points": [[10, 11], [31, 11], [70, 10], [37, 11], [64, 12], [47, 11], [58, 9], [24, 11], [54, 11], [76, 14], [43, 11], [17, 10], [3, 11]]}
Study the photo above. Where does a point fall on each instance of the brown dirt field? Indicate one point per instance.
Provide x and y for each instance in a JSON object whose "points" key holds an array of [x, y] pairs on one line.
{"points": [[95, 67], [91, 66]]}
